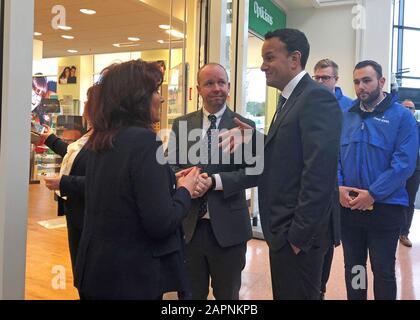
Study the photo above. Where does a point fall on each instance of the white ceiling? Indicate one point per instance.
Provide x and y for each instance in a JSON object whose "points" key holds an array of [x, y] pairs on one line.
{"points": [[113, 23]]}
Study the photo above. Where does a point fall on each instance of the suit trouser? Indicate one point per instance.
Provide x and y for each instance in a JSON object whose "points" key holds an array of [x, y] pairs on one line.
{"points": [[206, 258], [375, 232], [412, 187], [296, 277], [326, 268]]}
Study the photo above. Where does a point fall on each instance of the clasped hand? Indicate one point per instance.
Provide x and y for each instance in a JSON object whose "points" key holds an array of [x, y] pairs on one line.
{"points": [[363, 201]]}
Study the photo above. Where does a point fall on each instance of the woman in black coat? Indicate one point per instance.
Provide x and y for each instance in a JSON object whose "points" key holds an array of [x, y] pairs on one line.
{"points": [[132, 245], [70, 184]]}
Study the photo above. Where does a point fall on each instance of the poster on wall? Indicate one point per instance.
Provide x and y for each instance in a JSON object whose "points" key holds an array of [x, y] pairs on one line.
{"points": [[67, 75], [42, 88]]}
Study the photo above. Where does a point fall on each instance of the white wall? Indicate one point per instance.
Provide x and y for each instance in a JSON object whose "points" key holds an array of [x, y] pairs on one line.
{"points": [[347, 34], [330, 34], [15, 144], [376, 39]]}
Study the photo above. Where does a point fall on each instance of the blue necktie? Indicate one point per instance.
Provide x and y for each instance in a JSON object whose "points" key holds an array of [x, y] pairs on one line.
{"points": [[202, 209]]}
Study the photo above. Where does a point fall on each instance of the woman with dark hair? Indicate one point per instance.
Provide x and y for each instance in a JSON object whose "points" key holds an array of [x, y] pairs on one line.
{"points": [[64, 76], [132, 245], [70, 184]]}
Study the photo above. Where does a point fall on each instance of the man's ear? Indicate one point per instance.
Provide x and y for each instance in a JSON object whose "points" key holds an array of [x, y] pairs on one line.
{"points": [[382, 82], [296, 58]]}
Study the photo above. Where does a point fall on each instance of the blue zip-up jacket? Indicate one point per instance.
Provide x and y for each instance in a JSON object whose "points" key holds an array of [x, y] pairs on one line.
{"points": [[345, 102], [378, 150]]}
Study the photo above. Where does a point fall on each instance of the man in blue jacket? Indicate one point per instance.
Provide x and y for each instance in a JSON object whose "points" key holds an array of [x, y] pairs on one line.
{"points": [[326, 73], [378, 153]]}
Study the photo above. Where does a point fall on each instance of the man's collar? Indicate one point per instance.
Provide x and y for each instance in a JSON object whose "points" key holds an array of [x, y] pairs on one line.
{"points": [[218, 114], [288, 89]]}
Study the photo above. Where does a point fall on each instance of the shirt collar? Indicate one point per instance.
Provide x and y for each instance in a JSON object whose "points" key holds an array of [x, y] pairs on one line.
{"points": [[288, 90], [218, 114]]}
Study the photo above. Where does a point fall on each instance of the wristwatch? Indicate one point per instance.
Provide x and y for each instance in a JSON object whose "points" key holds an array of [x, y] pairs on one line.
{"points": [[213, 182]]}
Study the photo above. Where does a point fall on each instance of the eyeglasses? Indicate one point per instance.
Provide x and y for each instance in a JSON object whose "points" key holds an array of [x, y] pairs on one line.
{"points": [[323, 78], [411, 108]]}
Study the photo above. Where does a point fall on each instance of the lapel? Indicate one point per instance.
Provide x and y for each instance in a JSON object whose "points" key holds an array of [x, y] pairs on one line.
{"points": [[227, 120], [287, 107], [196, 122]]}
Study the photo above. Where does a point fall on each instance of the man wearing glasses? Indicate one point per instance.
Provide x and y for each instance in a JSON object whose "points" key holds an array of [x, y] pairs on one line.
{"points": [[326, 72], [411, 186]]}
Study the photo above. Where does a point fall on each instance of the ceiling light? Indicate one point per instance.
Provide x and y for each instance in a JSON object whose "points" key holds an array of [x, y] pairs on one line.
{"points": [[133, 39], [65, 27], [87, 11], [67, 37], [175, 33], [37, 34], [125, 44], [164, 26], [161, 41], [72, 51]]}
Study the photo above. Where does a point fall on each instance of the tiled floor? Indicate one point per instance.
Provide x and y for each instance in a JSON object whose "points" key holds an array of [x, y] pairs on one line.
{"points": [[256, 276], [47, 249]]}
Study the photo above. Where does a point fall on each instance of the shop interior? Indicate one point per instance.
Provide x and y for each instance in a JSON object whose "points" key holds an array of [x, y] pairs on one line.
{"points": [[73, 43]]}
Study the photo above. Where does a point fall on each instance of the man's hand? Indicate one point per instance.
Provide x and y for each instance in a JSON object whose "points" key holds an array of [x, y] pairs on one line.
{"points": [[203, 185], [345, 196], [53, 183], [231, 139], [363, 201]]}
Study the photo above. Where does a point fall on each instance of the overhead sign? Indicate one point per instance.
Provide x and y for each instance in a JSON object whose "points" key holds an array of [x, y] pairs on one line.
{"points": [[265, 16]]}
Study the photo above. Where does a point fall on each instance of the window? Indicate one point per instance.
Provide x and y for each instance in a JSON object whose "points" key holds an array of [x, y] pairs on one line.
{"points": [[406, 43]]}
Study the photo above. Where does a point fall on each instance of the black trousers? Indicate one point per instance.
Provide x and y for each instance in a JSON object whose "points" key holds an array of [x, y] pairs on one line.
{"points": [[326, 268], [412, 186], [296, 277], [375, 233], [206, 260]]}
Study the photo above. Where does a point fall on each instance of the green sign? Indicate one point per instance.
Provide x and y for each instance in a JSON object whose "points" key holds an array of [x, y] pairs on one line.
{"points": [[265, 16]]}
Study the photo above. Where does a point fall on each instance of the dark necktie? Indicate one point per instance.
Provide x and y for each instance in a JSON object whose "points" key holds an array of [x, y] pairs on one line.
{"points": [[202, 209], [280, 105]]}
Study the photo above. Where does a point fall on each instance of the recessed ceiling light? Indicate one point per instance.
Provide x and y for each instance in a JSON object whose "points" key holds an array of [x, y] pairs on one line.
{"points": [[72, 51], [125, 44], [67, 37], [164, 26], [87, 11], [175, 33], [133, 38], [37, 34], [65, 27], [161, 41]]}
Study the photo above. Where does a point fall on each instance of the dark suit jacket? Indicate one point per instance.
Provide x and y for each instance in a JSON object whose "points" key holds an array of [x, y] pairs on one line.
{"points": [[131, 246], [229, 213], [72, 186], [298, 191]]}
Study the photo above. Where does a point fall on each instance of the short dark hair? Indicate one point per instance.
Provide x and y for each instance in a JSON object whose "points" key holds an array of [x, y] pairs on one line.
{"points": [[123, 100], [294, 40], [366, 63]]}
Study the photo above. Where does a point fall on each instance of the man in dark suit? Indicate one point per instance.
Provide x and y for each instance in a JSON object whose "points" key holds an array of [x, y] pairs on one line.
{"points": [[298, 192], [218, 226]]}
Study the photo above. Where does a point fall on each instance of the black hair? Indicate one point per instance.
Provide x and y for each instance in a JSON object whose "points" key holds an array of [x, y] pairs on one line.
{"points": [[294, 40], [376, 66]]}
